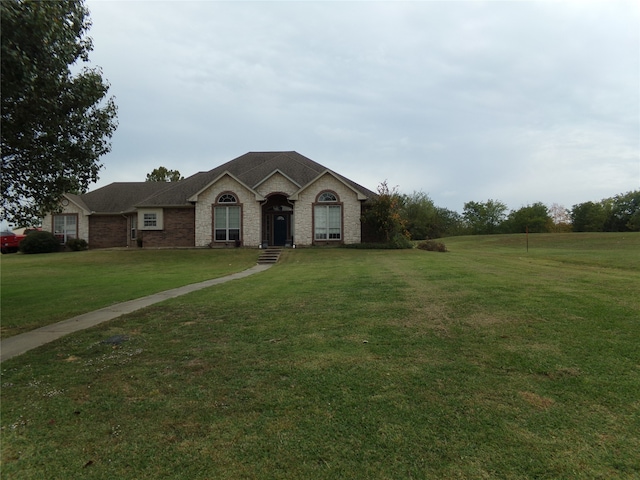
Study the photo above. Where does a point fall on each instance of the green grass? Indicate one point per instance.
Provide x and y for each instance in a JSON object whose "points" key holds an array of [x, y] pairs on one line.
{"points": [[484, 362], [39, 290]]}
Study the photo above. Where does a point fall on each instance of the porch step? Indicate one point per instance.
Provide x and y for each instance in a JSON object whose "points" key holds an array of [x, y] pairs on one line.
{"points": [[269, 255]]}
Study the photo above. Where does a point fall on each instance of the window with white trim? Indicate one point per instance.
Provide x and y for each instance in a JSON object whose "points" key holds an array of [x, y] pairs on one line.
{"points": [[150, 219], [226, 219], [65, 227], [327, 218], [132, 223]]}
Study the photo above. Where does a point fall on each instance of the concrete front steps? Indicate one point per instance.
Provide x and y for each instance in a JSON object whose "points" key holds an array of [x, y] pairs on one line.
{"points": [[269, 255]]}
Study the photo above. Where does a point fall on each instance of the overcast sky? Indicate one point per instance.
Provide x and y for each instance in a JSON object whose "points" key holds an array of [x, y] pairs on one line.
{"points": [[509, 100]]}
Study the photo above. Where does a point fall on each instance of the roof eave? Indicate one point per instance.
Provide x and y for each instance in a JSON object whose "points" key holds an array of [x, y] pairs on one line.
{"points": [[166, 205]]}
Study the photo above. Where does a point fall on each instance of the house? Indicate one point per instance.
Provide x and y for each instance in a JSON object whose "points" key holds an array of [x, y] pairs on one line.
{"points": [[257, 199]]}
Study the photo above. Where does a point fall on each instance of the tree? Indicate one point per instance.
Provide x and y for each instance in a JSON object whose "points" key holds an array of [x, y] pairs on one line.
{"points": [[162, 174], [425, 221], [533, 218], [55, 125], [420, 215], [449, 222], [588, 217], [384, 215], [484, 218], [560, 218], [624, 212]]}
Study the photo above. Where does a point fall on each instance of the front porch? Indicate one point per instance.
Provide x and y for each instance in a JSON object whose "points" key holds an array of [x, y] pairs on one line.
{"points": [[277, 221]]}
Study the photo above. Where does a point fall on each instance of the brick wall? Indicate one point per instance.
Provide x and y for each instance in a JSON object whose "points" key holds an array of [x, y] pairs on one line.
{"points": [[179, 230], [107, 231]]}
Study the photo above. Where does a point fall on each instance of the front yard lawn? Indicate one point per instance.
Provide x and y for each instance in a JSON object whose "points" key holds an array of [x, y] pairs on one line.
{"points": [[484, 362], [38, 290]]}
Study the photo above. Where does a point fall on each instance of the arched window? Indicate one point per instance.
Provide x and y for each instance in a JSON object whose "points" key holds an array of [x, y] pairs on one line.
{"points": [[226, 218], [227, 198], [327, 197], [327, 217]]}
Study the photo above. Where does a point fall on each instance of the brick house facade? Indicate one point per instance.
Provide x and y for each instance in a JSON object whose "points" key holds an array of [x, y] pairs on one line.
{"points": [[257, 199]]}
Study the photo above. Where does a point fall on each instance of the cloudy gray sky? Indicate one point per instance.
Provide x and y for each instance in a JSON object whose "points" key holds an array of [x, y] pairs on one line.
{"points": [[511, 100]]}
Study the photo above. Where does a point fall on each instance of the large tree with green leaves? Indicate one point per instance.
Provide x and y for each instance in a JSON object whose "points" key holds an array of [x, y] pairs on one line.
{"points": [[424, 220], [532, 218], [55, 124], [420, 214], [620, 213], [624, 212], [588, 217], [484, 217]]}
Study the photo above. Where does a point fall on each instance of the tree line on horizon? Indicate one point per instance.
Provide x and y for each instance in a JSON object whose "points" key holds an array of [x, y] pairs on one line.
{"points": [[620, 213], [397, 218]]}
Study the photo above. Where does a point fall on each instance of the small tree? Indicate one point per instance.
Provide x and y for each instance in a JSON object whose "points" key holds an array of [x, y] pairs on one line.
{"points": [[162, 174], [385, 216]]}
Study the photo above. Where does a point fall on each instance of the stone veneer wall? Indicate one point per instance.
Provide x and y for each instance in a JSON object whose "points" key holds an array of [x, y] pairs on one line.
{"points": [[277, 183], [83, 221], [303, 211], [251, 213]]}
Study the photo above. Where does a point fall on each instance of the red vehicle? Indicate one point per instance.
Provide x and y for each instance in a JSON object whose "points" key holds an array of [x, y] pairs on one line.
{"points": [[10, 242]]}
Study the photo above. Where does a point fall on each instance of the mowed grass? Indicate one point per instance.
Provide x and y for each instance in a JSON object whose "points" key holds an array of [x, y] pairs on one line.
{"points": [[38, 290], [484, 362]]}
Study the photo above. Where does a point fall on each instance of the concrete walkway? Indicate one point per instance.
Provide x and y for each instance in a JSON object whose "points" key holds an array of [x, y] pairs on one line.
{"points": [[19, 344]]}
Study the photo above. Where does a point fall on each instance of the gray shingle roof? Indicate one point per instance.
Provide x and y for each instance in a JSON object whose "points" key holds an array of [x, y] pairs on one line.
{"points": [[118, 197], [251, 169]]}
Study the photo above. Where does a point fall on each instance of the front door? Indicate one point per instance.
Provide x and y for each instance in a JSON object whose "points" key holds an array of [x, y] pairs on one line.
{"points": [[277, 215], [279, 230]]}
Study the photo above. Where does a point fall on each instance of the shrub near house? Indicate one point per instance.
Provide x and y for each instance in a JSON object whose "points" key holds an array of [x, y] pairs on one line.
{"points": [[77, 244], [40, 242]]}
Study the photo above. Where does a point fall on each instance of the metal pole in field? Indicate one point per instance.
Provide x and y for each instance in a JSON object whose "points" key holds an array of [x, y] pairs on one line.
{"points": [[527, 238]]}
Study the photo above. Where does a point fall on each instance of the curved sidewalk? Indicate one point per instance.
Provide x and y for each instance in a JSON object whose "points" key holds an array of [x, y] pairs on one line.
{"points": [[19, 344]]}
